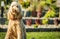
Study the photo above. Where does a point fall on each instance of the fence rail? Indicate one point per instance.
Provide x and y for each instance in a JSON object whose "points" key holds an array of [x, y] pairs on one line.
{"points": [[40, 18]]}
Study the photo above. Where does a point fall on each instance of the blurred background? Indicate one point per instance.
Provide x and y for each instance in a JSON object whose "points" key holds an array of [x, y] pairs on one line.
{"points": [[38, 15], [34, 12]]}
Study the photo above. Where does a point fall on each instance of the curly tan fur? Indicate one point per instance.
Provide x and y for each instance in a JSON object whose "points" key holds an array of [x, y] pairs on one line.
{"points": [[16, 29]]}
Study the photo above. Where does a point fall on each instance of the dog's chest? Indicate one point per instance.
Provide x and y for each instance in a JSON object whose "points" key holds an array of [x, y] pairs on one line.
{"points": [[14, 31]]}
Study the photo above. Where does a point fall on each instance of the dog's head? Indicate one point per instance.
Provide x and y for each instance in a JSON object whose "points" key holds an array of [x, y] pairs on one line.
{"points": [[14, 11], [15, 7]]}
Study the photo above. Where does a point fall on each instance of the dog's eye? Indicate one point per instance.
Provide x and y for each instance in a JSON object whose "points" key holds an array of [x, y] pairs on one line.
{"points": [[13, 6]]}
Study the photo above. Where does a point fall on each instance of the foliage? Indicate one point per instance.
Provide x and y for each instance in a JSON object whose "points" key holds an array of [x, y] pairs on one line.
{"points": [[49, 14], [7, 6], [35, 26], [45, 21], [42, 3], [25, 4], [6, 22], [49, 1]]}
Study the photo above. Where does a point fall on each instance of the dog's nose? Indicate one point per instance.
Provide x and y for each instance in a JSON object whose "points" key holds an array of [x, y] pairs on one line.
{"points": [[17, 6]]}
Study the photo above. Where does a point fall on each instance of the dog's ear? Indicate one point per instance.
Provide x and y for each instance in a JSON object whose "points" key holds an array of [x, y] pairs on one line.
{"points": [[19, 16], [10, 16]]}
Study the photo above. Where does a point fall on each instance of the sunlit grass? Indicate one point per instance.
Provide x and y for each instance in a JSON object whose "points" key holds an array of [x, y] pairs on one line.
{"points": [[38, 35]]}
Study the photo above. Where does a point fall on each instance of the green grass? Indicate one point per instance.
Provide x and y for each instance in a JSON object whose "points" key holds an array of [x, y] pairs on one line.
{"points": [[43, 35], [38, 35], [2, 35]]}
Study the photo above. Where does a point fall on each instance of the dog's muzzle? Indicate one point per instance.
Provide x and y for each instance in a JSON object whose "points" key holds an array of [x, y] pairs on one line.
{"points": [[15, 9]]}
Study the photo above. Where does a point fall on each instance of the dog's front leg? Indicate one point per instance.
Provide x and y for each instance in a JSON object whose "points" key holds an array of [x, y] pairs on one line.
{"points": [[8, 33], [19, 32]]}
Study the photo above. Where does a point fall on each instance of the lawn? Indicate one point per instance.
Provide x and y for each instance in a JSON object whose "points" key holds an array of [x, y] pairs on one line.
{"points": [[38, 35]]}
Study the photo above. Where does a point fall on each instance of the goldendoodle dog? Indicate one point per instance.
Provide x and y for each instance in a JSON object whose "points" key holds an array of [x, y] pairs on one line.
{"points": [[16, 29]]}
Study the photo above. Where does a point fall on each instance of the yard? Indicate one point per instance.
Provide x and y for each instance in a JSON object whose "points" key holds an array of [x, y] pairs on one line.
{"points": [[38, 35]]}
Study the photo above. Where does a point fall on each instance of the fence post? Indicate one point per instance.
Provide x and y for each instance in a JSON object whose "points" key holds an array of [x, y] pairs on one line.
{"points": [[59, 12]]}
